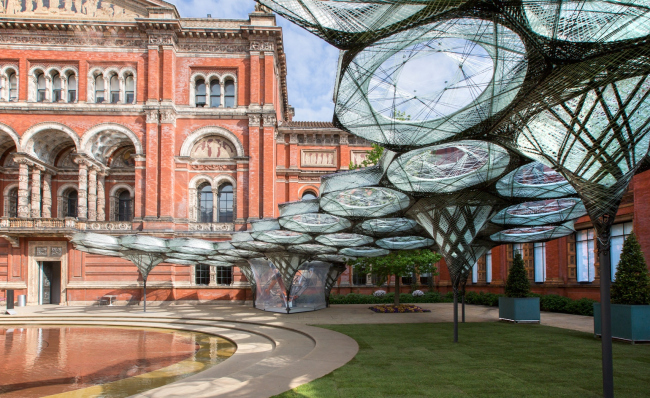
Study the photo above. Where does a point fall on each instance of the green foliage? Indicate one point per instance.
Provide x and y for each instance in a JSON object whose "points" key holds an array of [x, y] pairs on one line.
{"points": [[517, 285], [632, 285], [353, 298], [372, 157], [398, 263], [488, 299], [555, 303], [401, 115]]}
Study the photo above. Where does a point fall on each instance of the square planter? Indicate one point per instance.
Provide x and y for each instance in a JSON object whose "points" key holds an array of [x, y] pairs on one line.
{"points": [[629, 322], [519, 310]]}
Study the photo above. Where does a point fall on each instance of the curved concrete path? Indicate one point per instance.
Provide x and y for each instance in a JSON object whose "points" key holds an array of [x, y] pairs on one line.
{"points": [[271, 357]]}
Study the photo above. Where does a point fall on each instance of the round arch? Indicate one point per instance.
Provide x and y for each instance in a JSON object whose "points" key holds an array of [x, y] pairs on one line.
{"points": [[193, 138], [199, 179], [222, 179], [32, 131], [311, 188], [121, 186], [8, 189], [90, 133], [12, 133]]}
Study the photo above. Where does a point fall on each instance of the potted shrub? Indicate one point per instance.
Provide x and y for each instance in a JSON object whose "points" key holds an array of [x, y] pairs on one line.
{"points": [[517, 306], [630, 296]]}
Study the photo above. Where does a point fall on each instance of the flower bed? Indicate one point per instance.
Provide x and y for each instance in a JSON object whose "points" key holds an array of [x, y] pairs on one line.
{"points": [[397, 309]]}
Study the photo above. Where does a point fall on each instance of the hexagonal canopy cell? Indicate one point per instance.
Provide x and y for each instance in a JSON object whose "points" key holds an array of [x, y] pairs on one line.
{"points": [[534, 234], [257, 246], [299, 207], [365, 202], [541, 212], [282, 237], [534, 180], [265, 225], [297, 288], [348, 24], [588, 21], [315, 223], [183, 256], [240, 253], [97, 241], [388, 226], [364, 251], [312, 249], [344, 240], [405, 243], [191, 246], [448, 168], [145, 243], [361, 177], [431, 83]]}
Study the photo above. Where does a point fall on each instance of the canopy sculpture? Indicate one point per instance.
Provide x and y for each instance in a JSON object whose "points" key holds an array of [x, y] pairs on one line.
{"points": [[359, 178], [563, 83], [365, 202]]}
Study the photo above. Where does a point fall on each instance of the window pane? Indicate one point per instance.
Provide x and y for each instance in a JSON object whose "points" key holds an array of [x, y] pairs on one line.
{"points": [[130, 84], [206, 204], [13, 87], [619, 234], [226, 204], [488, 267], [540, 262], [358, 279], [585, 266], [224, 275], [309, 195], [99, 89], [202, 274], [72, 204], [124, 206], [475, 273], [230, 94], [13, 203]]}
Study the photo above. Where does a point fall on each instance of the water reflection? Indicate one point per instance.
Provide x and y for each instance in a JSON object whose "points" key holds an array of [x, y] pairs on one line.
{"points": [[101, 361]]}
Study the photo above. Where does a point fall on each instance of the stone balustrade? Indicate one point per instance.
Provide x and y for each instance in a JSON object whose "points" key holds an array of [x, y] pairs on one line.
{"points": [[211, 227]]}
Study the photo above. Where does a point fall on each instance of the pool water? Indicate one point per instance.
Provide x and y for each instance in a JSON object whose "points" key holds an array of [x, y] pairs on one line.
{"points": [[82, 361]]}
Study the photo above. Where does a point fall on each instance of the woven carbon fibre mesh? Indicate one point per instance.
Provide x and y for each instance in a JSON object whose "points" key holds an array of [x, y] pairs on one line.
{"points": [[364, 251], [93, 250], [596, 140], [299, 207], [448, 168], [405, 243], [217, 263], [282, 237], [183, 256], [265, 225], [333, 275], [178, 261], [143, 260], [534, 180], [227, 259], [344, 240], [258, 246], [315, 223], [364, 202], [348, 24], [382, 227], [191, 246], [98, 241], [454, 222], [388, 94], [533, 234], [287, 264], [333, 258], [363, 177], [542, 212], [240, 253], [245, 268], [312, 249], [144, 243]]}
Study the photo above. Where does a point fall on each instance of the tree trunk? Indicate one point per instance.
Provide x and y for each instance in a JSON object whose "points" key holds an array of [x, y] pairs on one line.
{"points": [[397, 289]]}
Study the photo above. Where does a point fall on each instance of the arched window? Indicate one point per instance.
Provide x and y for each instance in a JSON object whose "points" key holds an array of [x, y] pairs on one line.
{"points": [[200, 93], [124, 206], [225, 203], [99, 89], [115, 89], [12, 209], [56, 87], [309, 195], [72, 88], [70, 203], [206, 202], [130, 89], [40, 88], [215, 94], [230, 94], [13, 86]]}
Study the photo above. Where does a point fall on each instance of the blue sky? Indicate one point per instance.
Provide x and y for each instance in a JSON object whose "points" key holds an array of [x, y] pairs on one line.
{"points": [[311, 62]]}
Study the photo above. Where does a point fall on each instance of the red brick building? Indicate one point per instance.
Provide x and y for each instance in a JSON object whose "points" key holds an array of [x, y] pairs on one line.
{"points": [[122, 116]]}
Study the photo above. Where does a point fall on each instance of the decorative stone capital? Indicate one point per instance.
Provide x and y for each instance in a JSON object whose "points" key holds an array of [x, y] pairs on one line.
{"points": [[254, 120], [83, 163], [269, 120], [262, 46], [293, 138], [152, 116], [22, 160], [343, 139], [167, 116]]}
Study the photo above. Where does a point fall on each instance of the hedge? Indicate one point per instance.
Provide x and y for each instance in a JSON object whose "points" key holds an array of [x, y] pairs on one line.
{"points": [[549, 303]]}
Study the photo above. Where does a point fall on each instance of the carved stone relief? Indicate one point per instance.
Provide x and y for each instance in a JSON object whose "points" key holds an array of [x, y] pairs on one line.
{"points": [[357, 157], [96, 9], [317, 158], [213, 147]]}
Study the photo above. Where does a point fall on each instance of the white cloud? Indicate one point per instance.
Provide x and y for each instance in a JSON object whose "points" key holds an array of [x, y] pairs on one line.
{"points": [[311, 62]]}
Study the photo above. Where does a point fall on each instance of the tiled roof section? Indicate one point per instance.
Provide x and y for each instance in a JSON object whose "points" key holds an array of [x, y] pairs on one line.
{"points": [[308, 125]]}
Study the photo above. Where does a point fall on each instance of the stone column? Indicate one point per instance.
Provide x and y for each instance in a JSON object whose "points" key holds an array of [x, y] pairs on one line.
{"points": [[47, 195], [101, 197], [23, 187], [36, 191], [92, 194], [82, 196]]}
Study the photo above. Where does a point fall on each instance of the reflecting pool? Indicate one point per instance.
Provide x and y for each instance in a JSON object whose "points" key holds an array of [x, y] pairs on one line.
{"points": [[82, 361]]}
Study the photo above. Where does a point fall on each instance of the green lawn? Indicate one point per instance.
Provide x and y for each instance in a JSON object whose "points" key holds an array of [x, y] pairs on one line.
{"points": [[491, 360]]}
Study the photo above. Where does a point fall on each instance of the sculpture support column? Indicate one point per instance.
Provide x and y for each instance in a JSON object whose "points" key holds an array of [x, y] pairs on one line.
{"points": [[47, 195], [82, 196], [92, 194], [101, 197], [23, 188], [36, 191]]}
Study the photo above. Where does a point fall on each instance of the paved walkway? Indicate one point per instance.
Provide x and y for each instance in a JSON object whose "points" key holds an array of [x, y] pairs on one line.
{"points": [[276, 352]]}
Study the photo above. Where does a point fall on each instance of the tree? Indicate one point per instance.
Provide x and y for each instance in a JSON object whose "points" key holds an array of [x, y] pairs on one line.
{"points": [[372, 157], [517, 285], [398, 264], [632, 285]]}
